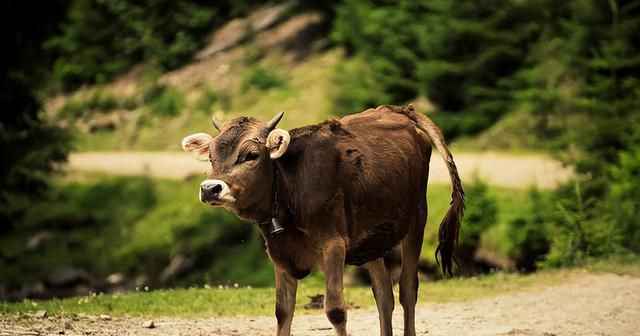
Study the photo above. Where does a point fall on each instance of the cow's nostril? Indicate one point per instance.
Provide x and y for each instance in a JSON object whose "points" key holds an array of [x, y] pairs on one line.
{"points": [[216, 189]]}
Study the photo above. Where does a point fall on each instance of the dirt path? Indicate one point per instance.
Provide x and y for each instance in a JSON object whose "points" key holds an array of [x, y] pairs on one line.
{"points": [[506, 170], [587, 305]]}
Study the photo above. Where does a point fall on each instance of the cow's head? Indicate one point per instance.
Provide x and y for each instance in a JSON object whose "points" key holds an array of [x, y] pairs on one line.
{"points": [[241, 161]]}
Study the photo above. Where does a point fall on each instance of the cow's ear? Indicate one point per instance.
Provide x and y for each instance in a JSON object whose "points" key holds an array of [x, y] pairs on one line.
{"points": [[277, 143], [197, 145]]}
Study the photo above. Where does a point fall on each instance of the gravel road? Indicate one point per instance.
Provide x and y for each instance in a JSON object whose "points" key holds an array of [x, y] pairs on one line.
{"points": [[584, 305]]}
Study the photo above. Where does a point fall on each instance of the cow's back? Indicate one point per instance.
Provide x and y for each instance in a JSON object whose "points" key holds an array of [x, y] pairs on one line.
{"points": [[390, 179], [370, 168]]}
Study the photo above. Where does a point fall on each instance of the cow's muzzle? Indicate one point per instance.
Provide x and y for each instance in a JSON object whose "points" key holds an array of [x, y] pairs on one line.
{"points": [[215, 191]]}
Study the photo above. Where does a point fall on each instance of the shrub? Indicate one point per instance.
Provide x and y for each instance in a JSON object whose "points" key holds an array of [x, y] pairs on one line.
{"points": [[528, 239], [130, 103], [206, 101], [261, 79], [97, 100], [165, 101], [102, 101], [72, 109], [581, 226], [462, 55], [481, 213], [624, 201], [101, 39]]}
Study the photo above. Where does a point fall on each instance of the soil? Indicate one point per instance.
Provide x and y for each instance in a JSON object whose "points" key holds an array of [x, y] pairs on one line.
{"points": [[505, 170], [590, 304]]}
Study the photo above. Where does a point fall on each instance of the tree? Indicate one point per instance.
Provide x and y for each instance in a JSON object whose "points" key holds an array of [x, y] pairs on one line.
{"points": [[100, 39], [601, 52], [462, 55], [30, 147]]}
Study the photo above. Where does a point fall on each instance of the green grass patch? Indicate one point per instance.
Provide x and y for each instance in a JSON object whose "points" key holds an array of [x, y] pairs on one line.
{"points": [[165, 101], [621, 265], [212, 301], [261, 78], [206, 101]]}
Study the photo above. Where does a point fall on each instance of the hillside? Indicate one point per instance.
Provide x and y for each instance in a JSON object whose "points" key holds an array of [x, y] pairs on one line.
{"points": [[285, 67]]}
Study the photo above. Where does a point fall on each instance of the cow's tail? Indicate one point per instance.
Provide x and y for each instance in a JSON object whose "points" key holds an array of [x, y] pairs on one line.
{"points": [[450, 226]]}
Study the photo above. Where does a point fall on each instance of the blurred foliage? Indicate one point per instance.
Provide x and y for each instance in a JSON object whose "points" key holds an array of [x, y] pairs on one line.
{"points": [[463, 55], [30, 149], [100, 39], [134, 225], [206, 101], [600, 49], [97, 101], [165, 101], [261, 78], [528, 238], [30, 146], [356, 87], [625, 198], [481, 212]]}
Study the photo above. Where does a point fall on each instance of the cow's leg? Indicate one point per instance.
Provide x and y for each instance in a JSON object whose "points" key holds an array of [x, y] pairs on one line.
{"points": [[286, 287], [411, 246], [333, 268], [383, 292]]}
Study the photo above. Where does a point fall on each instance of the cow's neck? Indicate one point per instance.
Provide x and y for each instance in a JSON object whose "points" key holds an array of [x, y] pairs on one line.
{"points": [[270, 208]]}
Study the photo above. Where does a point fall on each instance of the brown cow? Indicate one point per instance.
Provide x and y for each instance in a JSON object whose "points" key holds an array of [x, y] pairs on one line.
{"points": [[340, 192]]}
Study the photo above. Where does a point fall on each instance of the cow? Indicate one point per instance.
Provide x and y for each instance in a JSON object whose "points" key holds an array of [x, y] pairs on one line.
{"points": [[339, 192]]}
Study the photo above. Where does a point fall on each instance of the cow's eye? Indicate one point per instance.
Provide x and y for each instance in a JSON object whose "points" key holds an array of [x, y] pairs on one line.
{"points": [[251, 156]]}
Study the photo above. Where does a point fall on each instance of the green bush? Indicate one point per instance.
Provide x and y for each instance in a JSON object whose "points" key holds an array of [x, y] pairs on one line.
{"points": [[624, 201], [165, 101], [72, 109], [102, 101], [593, 211], [528, 237], [481, 213], [262, 79], [462, 55], [581, 226], [134, 225], [206, 101], [97, 101], [130, 103], [101, 39]]}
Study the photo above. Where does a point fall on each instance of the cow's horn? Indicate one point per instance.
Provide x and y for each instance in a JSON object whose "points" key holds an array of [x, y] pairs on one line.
{"points": [[274, 122], [216, 123]]}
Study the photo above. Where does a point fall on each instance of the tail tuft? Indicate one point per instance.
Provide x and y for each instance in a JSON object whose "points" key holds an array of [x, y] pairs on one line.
{"points": [[450, 227]]}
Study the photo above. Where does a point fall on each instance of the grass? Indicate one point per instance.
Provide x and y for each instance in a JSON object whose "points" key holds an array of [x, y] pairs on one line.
{"points": [[225, 301]]}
